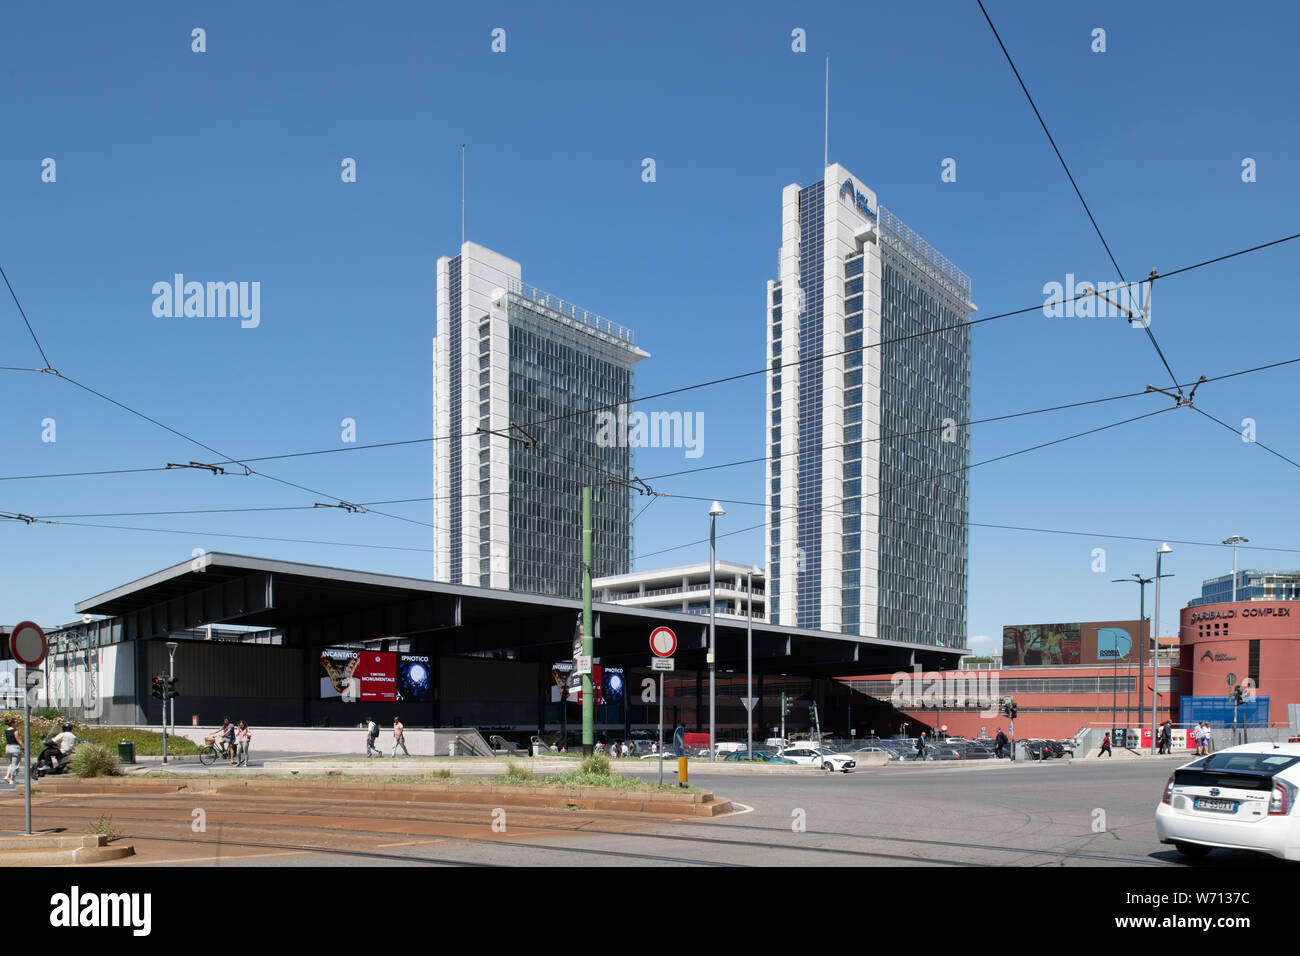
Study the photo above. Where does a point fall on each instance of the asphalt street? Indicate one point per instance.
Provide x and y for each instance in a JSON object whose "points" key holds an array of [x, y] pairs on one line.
{"points": [[1088, 813]]}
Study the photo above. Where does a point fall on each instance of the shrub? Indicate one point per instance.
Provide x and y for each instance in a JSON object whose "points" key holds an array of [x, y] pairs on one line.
{"points": [[105, 826], [48, 713], [595, 765], [441, 774], [517, 774], [93, 760]]}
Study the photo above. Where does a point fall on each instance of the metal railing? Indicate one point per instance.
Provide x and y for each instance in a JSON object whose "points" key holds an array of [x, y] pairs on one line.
{"points": [[557, 305]]}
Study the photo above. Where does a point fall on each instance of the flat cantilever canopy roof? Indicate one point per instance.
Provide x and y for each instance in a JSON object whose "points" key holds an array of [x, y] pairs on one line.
{"points": [[316, 605]]}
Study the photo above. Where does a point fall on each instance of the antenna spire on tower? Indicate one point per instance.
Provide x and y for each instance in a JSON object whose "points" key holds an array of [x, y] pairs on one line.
{"points": [[826, 154]]}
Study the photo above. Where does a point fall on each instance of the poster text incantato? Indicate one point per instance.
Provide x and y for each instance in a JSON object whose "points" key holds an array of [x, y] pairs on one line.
{"points": [[376, 676]]}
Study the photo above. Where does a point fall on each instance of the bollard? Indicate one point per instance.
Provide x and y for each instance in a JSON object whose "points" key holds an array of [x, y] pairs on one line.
{"points": [[681, 771]]}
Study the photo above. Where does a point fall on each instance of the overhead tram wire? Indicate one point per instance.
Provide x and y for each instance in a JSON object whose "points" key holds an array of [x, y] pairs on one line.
{"points": [[978, 421], [613, 405], [27, 321], [608, 475], [1271, 451], [775, 368], [1096, 228], [553, 453], [222, 455]]}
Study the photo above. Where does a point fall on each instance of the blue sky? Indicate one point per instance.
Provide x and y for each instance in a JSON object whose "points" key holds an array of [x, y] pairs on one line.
{"points": [[225, 166]]}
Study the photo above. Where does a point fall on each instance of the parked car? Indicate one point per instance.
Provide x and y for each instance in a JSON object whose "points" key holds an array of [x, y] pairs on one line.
{"points": [[889, 753], [825, 759], [754, 756], [1242, 798]]}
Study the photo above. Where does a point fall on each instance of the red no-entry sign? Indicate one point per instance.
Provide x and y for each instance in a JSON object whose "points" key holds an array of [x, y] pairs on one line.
{"points": [[27, 644], [663, 642]]}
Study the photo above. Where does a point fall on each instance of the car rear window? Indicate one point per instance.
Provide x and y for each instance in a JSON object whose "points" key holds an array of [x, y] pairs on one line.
{"points": [[1249, 763]]}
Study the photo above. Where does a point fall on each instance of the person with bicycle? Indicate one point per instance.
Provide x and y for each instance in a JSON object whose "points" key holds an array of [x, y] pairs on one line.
{"points": [[226, 739]]}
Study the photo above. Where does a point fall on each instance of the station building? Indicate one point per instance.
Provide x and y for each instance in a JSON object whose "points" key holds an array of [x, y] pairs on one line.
{"points": [[294, 645]]}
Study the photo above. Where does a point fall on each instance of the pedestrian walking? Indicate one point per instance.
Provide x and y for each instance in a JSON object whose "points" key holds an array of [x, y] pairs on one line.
{"points": [[399, 738], [1166, 736], [372, 736], [1000, 743], [242, 739], [1105, 746], [920, 747], [13, 749], [625, 750]]}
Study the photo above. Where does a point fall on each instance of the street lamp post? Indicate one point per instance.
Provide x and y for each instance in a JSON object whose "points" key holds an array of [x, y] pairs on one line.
{"points": [[1235, 540], [714, 512], [171, 656], [171, 673], [1155, 657], [1142, 583], [749, 664]]}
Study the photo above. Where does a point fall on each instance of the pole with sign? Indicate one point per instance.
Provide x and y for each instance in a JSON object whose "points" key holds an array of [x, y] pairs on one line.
{"points": [[663, 643], [27, 646]]}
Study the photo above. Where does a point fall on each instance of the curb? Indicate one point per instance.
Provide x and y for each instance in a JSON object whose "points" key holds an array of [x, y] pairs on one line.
{"points": [[703, 804], [42, 850]]}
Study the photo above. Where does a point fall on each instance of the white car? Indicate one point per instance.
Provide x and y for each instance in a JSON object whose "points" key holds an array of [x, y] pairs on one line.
{"points": [[818, 757], [1242, 798]]}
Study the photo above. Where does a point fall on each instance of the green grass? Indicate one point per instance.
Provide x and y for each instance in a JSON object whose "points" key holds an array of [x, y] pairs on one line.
{"points": [[571, 779], [148, 743]]}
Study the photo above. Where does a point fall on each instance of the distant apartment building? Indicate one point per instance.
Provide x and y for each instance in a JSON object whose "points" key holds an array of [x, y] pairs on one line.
{"points": [[686, 589], [512, 364], [1251, 586]]}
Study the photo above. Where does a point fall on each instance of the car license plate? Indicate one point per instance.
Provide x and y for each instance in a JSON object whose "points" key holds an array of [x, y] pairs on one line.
{"points": [[1222, 806]]}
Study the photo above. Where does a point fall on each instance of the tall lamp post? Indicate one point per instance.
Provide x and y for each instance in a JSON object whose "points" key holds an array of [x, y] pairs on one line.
{"points": [[171, 667], [749, 661], [1235, 540], [1142, 583], [1155, 657], [714, 512]]}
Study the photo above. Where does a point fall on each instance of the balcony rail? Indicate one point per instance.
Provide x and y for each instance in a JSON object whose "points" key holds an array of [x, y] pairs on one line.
{"points": [[555, 304]]}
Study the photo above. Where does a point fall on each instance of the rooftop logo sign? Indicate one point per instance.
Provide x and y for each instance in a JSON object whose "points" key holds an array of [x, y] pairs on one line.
{"points": [[859, 200]]}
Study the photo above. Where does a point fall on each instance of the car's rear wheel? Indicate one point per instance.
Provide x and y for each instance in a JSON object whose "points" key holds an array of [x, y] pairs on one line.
{"points": [[828, 766], [1193, 850]]}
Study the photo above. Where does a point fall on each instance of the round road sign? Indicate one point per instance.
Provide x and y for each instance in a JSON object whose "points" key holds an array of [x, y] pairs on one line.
{"points": [[27, 644], [663, 642]]}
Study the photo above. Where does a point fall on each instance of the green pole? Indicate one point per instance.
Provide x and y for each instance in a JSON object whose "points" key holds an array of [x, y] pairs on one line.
{"points": [[588, 694]]}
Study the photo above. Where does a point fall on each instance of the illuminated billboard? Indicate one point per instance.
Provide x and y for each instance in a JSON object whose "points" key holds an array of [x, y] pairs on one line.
{"points": [[1088, 642], [378, 676]]}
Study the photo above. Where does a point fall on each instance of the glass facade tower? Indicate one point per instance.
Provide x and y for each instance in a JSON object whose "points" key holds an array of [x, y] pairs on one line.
{"points": [[867, 492], [512, 364]]}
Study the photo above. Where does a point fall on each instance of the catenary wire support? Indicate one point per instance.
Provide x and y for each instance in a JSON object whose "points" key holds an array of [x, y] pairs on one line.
{"points": [[1180, 400], [347, 506], [1143, 316], [639, 486], [215, 469], [525, 438], [25, 519]]}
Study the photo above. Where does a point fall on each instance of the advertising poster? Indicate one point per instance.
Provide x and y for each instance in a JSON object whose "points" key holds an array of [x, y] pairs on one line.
{"points": [[339, 664], [380, 676], [413, 678], [1089, 642], [1041, 644]]}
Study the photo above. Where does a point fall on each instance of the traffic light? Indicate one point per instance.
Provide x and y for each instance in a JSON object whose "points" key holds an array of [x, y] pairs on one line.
{"points": [[171, 690], [1237, 696], [786, 705], [159, 685], [1012, 710]]}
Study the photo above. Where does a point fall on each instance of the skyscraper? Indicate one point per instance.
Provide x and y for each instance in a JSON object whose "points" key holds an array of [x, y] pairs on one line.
{"points": [[512, 364], [867, 493]]}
